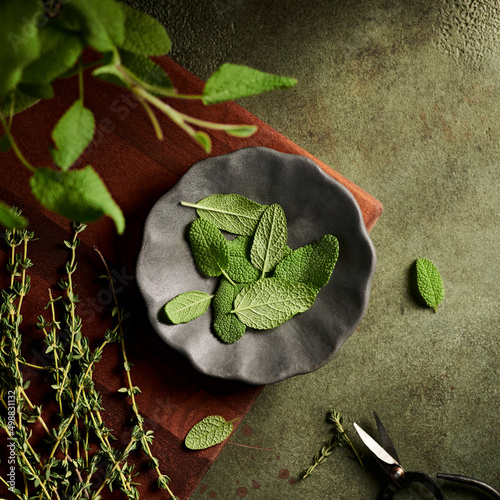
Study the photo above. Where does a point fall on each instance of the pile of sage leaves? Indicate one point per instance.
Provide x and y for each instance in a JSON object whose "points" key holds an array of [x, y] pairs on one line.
{"points": [[263, 281]]}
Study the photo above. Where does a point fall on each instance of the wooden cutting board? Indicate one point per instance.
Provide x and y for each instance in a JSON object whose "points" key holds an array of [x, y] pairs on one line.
{"points": [[138, 169]]}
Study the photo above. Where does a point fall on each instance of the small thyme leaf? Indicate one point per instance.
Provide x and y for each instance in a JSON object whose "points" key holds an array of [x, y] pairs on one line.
{"points": [[429, 282], [208, 432]]}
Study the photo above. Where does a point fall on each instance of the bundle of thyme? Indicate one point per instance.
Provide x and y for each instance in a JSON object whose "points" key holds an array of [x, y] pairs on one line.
{"points": [[79, 449], [339, 438]]}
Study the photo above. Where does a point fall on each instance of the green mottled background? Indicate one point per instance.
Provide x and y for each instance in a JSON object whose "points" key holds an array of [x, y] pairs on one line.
{"points": [[401, 97]]}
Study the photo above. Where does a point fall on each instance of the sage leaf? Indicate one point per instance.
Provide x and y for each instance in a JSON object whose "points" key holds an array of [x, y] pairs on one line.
{"points": [[241, 130], [19, 42], [230, 212], [312, 264], [209, 247], [101, 22], [146, 72], [204, 140], [208, 432], [429, 282], [144, 34], [240, 268], [269, 240], [60, 50], [269, 302], [232, 81], [226, 324], [79, 195], [10, 218], [72, 134], [187, 306], [39, 91]]}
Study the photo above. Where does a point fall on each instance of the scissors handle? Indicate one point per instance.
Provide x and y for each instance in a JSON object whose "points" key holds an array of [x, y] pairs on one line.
{"points": [[409, 478], [473, 482]]}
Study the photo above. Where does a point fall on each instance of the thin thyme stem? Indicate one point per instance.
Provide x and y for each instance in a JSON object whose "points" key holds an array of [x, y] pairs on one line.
{"points": [[131, 389], [80, 80]]}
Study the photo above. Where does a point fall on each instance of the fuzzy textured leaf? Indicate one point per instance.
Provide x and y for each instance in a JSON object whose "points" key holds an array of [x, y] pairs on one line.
{"points": [[19, 42], [144, 34], [240, 269], [312, 264], [101, 22], [227, 326], [79, 195], [230, 212], [269, 302], [10, 219], [232, 81], [209, 247], [269, 240], [60, 50], [208, 432], [187, 306], [429, 282], [146, 71], [72, 134]]}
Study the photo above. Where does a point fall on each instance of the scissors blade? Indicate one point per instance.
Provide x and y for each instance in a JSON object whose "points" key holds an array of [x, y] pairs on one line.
{"points": [[385, 440], [374, 447]]}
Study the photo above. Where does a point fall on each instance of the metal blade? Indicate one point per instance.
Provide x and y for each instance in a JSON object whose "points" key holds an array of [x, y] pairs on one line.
{"points": [[385, 440], [374, 447]]}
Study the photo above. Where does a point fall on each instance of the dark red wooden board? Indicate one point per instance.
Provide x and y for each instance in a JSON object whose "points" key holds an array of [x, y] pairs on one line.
{"points": [[138, 169]]}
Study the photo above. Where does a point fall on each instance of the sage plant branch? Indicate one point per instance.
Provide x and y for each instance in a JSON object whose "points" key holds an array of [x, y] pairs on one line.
{"points": [[125, 40]]}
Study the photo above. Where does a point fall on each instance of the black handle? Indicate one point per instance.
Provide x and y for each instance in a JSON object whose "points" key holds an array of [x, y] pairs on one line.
{"points": [[471, 481]]}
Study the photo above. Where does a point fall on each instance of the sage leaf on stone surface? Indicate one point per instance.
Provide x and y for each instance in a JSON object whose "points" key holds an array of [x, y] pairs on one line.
{"points": [[72, 134], [144, 34], [240, 269], [209, 432], [232, 81], [269, 302], [230, 212], [79, 195], [10, 218], [226, 324], [209, 247], [311, 264], [429, 282], [269, 240], [187, 306]]}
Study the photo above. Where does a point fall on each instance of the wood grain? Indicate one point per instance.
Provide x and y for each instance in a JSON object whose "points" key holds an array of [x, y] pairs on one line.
{"points": [[138, 169]]}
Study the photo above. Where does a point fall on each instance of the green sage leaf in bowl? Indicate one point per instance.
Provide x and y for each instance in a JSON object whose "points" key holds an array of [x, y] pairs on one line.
{"points": [[208, 432]]}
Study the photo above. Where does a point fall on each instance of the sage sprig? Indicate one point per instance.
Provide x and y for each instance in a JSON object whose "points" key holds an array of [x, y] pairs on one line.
{"points": [[42, 42]]}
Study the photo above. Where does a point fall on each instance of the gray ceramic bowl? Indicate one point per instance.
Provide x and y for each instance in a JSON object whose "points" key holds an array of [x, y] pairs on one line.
{"points": [[315, 204]]}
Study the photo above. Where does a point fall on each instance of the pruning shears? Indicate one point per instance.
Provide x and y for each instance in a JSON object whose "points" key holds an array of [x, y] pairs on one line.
{"points": [[398, 478]]}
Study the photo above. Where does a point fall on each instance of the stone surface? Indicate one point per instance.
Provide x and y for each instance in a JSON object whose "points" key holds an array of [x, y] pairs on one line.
{"points": [[402, 98]]}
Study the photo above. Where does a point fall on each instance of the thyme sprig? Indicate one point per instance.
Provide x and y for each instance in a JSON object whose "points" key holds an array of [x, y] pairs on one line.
{"points": [[339, 438], [79, 457]]}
